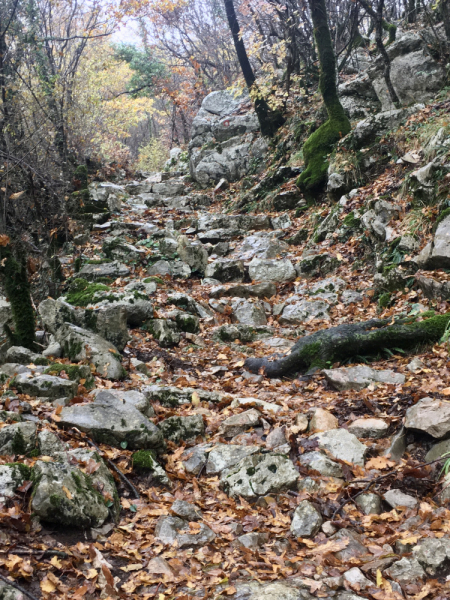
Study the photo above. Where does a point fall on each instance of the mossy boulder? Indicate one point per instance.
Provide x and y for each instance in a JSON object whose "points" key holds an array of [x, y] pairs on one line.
{"points": [[18, 438], [79, 373]]}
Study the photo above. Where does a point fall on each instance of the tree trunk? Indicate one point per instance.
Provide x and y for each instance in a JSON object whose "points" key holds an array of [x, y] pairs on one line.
{"points": [[445, 12], [321, 142], [411, 11], [323, 348], [269, 120], [17, 288]]}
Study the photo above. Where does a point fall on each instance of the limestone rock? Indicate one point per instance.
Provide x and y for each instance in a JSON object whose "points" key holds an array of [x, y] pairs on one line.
{"points": [[11, 477], [322, 420], [258, 290], [369, 428], [186, 510], [225, 270], [397, 498], [168, 531], [174, 396], [249, 313], [343, 445], [259, 475], [179, 428], [46, 386], [321, 463], [224, 456], [433, 555], [271, 270], [165, 332], [112, 421], [80, 506], [18, 438], [429, 415], [357, 378], [240, 423], [369, 504], [306, 520], [112, 270], [406, 571], [297, 313]]}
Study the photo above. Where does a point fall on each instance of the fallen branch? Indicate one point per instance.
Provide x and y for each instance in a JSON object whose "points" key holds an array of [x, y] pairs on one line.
{"points": [[117, 470], [17, 587], [323, 348]]}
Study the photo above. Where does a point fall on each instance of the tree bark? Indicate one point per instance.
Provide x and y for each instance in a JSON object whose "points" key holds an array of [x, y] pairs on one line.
{"points": [[323, 348], [321, 142], [269, 120]]}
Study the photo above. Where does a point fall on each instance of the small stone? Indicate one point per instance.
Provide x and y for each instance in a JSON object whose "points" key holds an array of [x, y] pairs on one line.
{"points": [[415, 365], [322, 420], [328, 528], [302, 422], [159, 566], [249, 313], [276, 438], [357, 378], [177, 428], [253, 540], [354, 548], [240, 423], [406, 571], [369, 504], [306, 520], [186, 510], [397, 498], [356, 579], [225, 456], [321, 463], [369, 428], [429, 415], [167, 530]]}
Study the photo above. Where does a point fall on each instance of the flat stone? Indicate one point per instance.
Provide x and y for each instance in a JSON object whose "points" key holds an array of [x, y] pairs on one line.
{"points": [[186, 510], [343, 445], [240, 423], [253, 540], [169, 395], [50, 444], [429, 415], [133, 397], [111, 270], [276, 438], [321, 463], [306, 520], [180, 428], [257, 290], [357, 378], [225, 456], [225, 270], [397, 498], [171, 529], [266, 406], [259, 475], [275, 590], [112, 421], [369, 428], [46, 386], [299, 312], [195, 459]]}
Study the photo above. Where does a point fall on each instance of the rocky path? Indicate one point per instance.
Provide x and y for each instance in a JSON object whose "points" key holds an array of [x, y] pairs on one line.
{"points": [[141, 460]]}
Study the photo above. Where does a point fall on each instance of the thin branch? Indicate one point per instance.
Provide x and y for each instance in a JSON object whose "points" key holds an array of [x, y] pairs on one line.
{"points": [[17, 587]]}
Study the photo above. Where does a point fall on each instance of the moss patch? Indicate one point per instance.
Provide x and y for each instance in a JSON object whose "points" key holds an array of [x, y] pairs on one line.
{"points": [[82, 292], [144, 460]]}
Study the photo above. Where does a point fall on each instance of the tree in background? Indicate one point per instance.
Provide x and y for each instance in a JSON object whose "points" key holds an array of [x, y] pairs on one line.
{"points": [[269, 120], [321, 142]]}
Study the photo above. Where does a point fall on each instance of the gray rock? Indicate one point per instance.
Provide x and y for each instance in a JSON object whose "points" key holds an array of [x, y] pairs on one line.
{"points": [[186, 510], [178, 428], [397, 498], [21, 355], [266, 406], [165, 332], [249, 313], [433, 555], [224, 456], [275, 590], [168, 530], [194, 459], [438, 450], [112, 421], [304, 310], [11, 477], [136, 399], [406, 571], [321, 463], [65, 495], [369, 504], [440, 254], [281, 222], [354, 548], [271, 270], [357, 378], [397, 446], [240, 423], [261, 245], [429, 415], [351, 297], [50, 444], [173, 396], [46, 386], [193, 254], [367, 130], [238, 223], [253, 540], [356, 579], [79, 344], [276, 438], [259, 475], [369, 428], [415, 365], [111, 270], [258, 290], [160, 267], [342, 445], [306, 520], [225, 270], [116, 248], [18, 438]]}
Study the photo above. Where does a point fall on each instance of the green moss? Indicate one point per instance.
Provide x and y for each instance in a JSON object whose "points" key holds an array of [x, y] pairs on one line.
{"points": [[100, 261], [18, 443], [82, 292], [24, 472], [384, 300], [444, 214], [77, 263], [316, 150], [73, 349], [144, 459], [351, 221]]}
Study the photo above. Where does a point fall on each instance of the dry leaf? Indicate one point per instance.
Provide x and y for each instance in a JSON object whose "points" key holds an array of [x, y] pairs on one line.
{"points": [[67, 492]]}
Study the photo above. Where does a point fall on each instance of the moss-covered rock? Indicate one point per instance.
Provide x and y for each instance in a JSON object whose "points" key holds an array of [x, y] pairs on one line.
{"points": [[76, 373]]}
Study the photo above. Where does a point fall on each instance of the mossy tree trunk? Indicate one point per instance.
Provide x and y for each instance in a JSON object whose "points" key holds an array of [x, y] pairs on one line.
{"points": [[323, 348], [269, 120], [14, 274], [321, 142]]}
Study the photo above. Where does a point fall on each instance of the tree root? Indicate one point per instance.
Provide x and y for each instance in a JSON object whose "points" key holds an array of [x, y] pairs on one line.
{"points": [[325, 347]]}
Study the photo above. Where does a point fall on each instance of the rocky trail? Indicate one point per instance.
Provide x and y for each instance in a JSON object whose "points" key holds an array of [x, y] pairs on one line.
{"points": [[146, 454]]}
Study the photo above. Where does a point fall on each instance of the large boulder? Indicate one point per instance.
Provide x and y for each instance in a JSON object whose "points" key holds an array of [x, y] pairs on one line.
{"points": [[112, 421], [223, 143]]}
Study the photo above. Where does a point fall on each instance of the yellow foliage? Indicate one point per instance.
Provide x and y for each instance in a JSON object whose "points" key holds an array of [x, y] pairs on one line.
{"points": [[152, 156]]}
